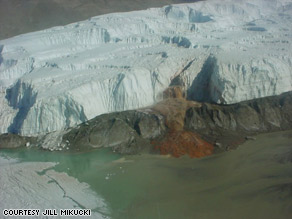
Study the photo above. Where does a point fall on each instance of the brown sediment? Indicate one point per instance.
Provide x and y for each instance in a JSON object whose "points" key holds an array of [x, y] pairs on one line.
{"points": [[184, 143], [173, 92], [178, 141]]}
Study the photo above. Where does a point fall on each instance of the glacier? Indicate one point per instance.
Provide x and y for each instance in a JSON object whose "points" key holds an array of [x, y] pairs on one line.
{"points": [[221, 51]]}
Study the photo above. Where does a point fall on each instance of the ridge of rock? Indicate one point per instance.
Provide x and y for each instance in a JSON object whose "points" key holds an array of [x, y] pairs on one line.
{"points": [[174, 126]]}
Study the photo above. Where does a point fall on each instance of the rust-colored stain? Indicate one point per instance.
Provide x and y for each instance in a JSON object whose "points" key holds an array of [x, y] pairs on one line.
{"points": [[178, 141], [184, 143]]}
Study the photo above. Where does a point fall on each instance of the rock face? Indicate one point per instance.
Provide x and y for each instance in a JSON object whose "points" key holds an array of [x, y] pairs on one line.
{"points": [[125, 132], [219, 51], [229, 124], [15, 141]]}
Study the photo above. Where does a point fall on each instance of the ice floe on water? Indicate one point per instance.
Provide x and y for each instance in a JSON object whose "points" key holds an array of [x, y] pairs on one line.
{"points": [[36, 185]]}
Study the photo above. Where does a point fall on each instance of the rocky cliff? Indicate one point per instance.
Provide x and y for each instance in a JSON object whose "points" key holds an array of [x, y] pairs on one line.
{"points": [[173, 126], [227, 125]]}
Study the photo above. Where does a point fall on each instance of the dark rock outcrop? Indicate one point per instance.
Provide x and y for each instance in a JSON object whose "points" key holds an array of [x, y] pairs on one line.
{"points": [[175, 126], [232, 123], [128, 132], [15, 141]]}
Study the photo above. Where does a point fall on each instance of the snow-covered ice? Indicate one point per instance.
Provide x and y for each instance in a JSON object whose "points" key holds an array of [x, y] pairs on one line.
{"points": [[34, 185], [223, 51]]}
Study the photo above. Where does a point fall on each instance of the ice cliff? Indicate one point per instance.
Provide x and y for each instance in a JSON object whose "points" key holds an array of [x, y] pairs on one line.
{"points": [[222, 51]]}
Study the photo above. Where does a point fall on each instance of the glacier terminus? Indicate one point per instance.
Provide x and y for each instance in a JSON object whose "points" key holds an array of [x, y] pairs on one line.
{"points": [[220, 51]]}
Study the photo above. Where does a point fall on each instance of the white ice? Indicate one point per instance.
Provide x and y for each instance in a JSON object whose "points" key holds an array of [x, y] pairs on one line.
{"points": [[34, 185], [223, 50]]}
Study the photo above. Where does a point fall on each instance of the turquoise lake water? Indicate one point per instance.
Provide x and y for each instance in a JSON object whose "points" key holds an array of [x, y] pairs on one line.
{"points": [[253, 181]]}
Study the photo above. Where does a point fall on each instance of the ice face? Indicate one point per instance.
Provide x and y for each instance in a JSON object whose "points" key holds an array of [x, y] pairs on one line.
{"points": [[220, 51]]}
